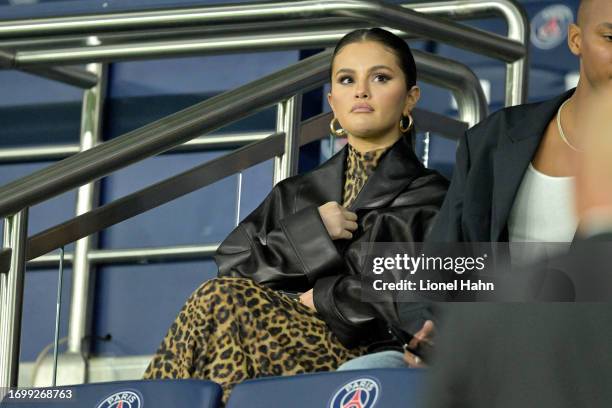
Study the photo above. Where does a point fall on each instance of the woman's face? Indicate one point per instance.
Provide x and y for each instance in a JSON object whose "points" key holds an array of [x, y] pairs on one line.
{"points": [[368, 93]]}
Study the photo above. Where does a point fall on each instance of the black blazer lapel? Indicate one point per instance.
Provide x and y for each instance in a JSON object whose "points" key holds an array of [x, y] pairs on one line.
{"points": [[511, 158], [511, 161]]}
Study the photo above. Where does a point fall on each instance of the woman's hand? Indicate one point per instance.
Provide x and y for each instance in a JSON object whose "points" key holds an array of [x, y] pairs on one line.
{"points": [[339, 222], [424, 335], [307, 299]]}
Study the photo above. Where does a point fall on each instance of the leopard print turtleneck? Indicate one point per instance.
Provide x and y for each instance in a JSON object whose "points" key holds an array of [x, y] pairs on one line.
{"points": [[359, 166]]}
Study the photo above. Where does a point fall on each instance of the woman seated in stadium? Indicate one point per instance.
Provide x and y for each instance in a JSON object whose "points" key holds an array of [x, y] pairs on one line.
{"points": [[306, 237]]}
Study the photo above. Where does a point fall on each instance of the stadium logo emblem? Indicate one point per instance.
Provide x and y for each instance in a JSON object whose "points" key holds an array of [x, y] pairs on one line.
{"points": [[549, 27], [361, 393], [122, 399]]}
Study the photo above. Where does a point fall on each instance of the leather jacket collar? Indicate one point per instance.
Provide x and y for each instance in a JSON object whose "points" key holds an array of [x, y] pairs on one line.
{"points": [[396, 169]]}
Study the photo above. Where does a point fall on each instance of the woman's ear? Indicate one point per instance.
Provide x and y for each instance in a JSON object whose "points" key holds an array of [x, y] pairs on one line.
{"points": [[574, 39], [412, 97]]}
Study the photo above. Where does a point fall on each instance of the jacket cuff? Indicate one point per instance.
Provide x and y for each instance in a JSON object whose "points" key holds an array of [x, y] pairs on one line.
{"points": [[323, 298], [312, 244]]}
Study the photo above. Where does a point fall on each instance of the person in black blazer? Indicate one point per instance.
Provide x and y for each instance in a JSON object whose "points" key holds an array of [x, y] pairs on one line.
{"points": [[547, 355], [493, 156], [491, 160], [544, 354]]}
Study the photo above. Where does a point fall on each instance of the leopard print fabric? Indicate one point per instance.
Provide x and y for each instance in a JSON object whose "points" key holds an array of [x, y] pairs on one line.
{"points": [[232, 329], [359, 167]]}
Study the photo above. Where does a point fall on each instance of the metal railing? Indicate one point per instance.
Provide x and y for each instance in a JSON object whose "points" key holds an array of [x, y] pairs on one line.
{"points": [[11, 293], [315, 28], [425, 121], [201, 118], [58, 152]]}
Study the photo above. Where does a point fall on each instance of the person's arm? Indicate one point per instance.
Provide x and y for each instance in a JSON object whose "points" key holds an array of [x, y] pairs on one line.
{"points": [[593, 168], [596, 223], [447, 227], [338, 298], [279, 250]]}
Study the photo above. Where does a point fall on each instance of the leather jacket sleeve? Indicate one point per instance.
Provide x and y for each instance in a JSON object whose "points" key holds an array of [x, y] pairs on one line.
{"points": [[338, 298], [284, 251]]}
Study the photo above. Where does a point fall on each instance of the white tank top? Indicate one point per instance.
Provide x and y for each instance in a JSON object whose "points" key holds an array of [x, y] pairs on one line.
{"points": [[543, 211]]}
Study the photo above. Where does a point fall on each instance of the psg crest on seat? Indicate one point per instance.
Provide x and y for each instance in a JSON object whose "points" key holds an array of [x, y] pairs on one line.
{"points": [[360, 393], [122, 399]]}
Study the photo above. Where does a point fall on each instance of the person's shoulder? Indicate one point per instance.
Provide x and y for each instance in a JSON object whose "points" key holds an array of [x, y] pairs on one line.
{"points": [[290, 184], [431, 177], [489, 131], [312, 175], [507, 117], [430, 186]]}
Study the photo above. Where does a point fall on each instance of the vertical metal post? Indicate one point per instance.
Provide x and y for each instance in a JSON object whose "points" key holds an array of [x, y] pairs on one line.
{"points": [[516, 82], [426, 149], [518, 29], [238, 198], [288, 121], [11, 298], [517, 72], [87, 197], [58, 315]]}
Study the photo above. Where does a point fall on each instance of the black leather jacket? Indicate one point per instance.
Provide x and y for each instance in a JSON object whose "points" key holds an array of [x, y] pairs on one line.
{"points": [[284, 245]]}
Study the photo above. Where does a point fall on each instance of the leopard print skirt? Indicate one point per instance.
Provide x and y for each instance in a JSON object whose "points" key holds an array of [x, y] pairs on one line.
{"points": [[232, 329]]}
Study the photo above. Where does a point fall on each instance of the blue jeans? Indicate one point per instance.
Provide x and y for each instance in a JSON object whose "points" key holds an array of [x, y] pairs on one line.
{"points": [[383, 359]]}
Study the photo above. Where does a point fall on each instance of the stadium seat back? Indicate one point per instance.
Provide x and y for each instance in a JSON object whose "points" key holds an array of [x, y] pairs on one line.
{"points": [[377, 388], [122, 394]]}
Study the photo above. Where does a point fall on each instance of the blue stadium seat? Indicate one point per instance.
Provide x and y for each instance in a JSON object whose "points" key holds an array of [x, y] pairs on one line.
{"points": [[125, 394], [380, 388]]}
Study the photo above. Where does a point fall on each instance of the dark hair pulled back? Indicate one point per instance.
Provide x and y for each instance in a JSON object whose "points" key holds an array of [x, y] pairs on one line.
{"points": [[388, 40]]}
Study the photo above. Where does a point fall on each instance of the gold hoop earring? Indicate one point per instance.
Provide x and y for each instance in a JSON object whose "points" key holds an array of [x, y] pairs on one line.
{"points": [[401, 123], [338, 132]]}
